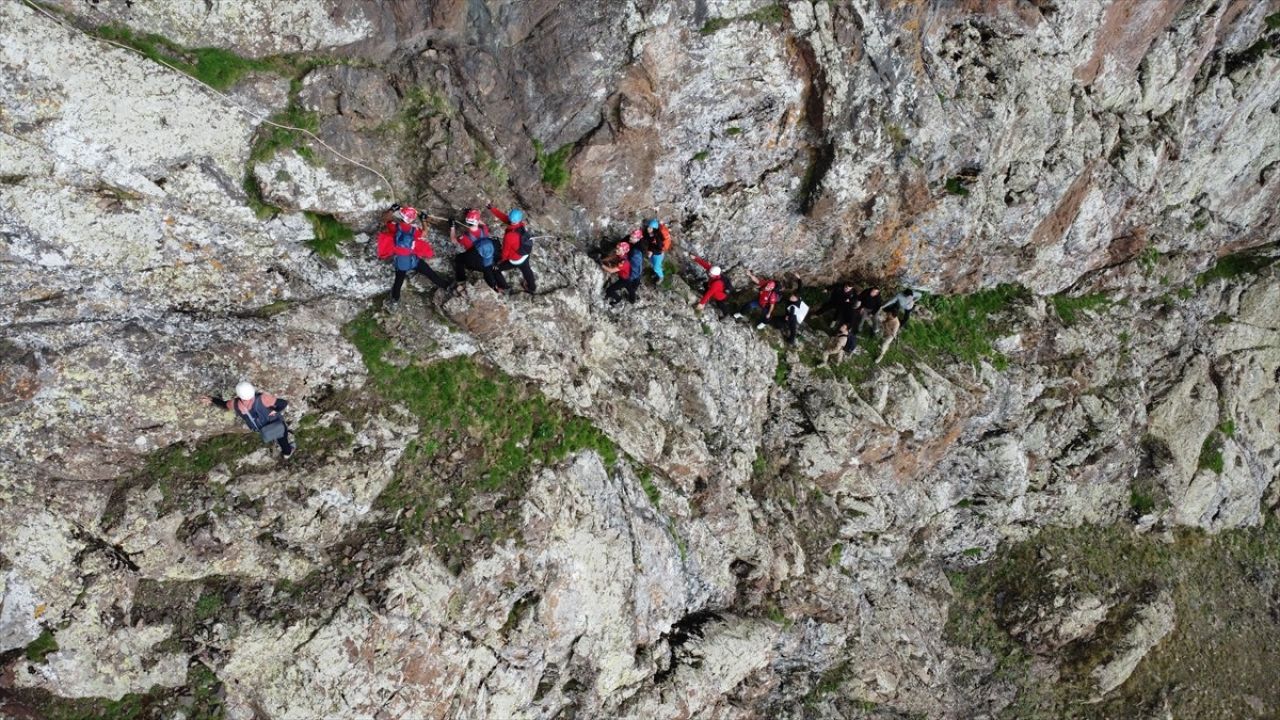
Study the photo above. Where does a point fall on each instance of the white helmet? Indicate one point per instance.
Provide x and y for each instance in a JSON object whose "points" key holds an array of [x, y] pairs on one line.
{"points": [[715, 270], [244, 390]]}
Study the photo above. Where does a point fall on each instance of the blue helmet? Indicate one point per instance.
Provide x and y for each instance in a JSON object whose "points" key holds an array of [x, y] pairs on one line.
{"points": [[653, 223], [515, 216]]}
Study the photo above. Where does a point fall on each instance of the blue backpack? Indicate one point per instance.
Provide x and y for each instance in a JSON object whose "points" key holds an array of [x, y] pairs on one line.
{"points": [[484, 248], [404, 239], [637, 264]]}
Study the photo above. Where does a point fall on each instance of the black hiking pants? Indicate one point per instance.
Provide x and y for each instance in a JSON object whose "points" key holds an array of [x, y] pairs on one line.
{"points": [[423, 268], [470, 260], [612, 292], [525, 270]]}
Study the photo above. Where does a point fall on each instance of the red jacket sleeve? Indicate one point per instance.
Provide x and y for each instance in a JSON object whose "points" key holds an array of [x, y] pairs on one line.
{"points": [[715, 291], [421, 247], [386, 244], [705, 265], [502, 217]]}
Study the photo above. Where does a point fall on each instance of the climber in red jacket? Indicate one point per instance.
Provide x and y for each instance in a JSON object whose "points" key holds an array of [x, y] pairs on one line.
{"points": [[716, 292], [517, 244], [401, 241]]}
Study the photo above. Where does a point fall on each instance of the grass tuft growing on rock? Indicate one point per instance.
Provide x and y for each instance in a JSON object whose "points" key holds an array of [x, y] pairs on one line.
{"points": [[1233, 266], [480, 435], [200, 698], [41, 647], [1068, 307], [178, 469], [329, 236], [555, 171], [215, 67]]}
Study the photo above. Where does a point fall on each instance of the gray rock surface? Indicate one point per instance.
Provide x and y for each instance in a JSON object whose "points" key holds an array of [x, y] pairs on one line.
{"points": [[775, 538]]}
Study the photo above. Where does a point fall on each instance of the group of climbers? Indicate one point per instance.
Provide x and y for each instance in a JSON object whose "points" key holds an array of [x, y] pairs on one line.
{"points": [[402, 240], [646, 246]]}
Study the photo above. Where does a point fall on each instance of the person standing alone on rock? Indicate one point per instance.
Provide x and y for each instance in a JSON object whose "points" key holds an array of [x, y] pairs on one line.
{"points": [[478, 252], [261, 412], [401, 241], [517, 244]]}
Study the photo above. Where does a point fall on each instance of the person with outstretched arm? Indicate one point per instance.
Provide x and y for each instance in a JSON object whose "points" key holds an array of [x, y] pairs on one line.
{"points": [[403, 243], [517, 245], [716, 293], [905, 302], [263, 413], [765, 302]]}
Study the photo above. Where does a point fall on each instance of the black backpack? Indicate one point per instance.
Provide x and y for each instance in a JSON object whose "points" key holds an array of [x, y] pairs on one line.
{"points": [[526, 242], [729, 289]]}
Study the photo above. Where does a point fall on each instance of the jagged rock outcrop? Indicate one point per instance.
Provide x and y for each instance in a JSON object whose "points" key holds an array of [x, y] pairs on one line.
{"points": [[760, 536], [952, 147]]}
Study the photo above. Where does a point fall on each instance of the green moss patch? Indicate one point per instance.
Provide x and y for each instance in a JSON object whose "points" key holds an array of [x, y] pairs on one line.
{"points": [[1234, 266], [1069, 308], [329, 235], [199, 699], [215, 67], [42, 646], [480, 435], [554, 167]]}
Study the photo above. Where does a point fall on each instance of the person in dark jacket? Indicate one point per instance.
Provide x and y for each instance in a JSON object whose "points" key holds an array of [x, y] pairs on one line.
{"points": [[261, 412], [871, 303], [844, 303], [796, 311]]}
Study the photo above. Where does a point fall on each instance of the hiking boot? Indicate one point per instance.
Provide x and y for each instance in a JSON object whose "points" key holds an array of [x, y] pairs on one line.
{"points": [[289, 454], [391, 306], [739, 316]]}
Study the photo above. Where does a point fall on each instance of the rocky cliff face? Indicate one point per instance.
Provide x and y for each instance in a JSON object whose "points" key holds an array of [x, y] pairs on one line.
{"points": [[546, 507]]}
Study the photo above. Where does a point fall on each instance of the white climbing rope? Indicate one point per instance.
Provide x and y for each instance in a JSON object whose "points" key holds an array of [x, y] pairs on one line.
{"points": [[226, 99]]}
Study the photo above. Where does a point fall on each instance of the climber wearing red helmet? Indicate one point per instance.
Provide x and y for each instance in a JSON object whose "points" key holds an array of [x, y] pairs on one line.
{"points": [[403, 242], [628, 269], [765, 302], [479, 252]]}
